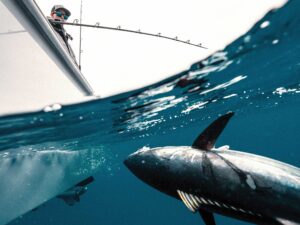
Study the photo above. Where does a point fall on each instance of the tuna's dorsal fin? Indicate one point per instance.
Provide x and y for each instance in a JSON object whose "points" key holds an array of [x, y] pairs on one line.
{"points": [[207, 217], [207, 139]]}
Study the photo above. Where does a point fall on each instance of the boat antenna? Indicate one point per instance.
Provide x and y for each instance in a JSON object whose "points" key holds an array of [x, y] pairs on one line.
{"points": [[80, 38], [118, 28]]}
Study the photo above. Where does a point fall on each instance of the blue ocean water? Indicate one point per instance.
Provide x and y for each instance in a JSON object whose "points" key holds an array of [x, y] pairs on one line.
{"points": [[257, 77]]}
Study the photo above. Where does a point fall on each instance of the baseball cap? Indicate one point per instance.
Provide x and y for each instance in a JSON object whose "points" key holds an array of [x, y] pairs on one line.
{"points": [[56, 7]]}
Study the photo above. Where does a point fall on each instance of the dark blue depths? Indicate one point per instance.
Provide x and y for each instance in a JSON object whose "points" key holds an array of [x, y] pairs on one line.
{"points": [[257, 77]]}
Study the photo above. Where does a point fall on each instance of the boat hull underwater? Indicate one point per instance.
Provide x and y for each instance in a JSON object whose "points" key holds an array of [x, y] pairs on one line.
{"points": [[29, 178], [231, 183]]}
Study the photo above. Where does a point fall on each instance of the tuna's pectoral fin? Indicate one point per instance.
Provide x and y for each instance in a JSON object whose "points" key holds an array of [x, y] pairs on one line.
{"points": [[207, 139], [207, 217]]}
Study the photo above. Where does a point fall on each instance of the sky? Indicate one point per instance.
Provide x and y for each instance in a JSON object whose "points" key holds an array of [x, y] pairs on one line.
{"points": [[115, 62]]}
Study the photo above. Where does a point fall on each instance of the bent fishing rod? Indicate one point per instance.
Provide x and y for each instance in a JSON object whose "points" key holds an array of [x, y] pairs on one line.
{"points": [[159, 35]]}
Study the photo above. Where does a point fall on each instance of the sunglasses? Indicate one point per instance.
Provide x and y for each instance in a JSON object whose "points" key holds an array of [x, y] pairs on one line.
{"points": [[60, 14]]}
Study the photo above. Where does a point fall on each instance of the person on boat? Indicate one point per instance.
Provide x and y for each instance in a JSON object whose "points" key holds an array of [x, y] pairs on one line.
{"points": [[60, 14]]}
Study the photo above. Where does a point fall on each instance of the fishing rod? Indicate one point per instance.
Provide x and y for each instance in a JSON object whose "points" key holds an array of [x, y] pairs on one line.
{"points": [[159, 35]]}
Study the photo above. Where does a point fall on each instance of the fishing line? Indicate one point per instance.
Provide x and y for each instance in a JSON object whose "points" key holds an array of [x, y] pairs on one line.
{"points": [[80, 38]]}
